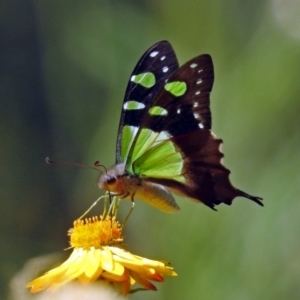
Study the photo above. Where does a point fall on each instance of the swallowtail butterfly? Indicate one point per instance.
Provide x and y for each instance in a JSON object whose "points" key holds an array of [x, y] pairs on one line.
{"points": [[165, 143]]}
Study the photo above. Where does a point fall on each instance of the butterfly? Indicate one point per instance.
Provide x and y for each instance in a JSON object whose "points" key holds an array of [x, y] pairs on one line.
{"points": [[165, 143]]}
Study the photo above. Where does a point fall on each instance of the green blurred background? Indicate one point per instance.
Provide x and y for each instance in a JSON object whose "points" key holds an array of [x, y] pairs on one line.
{"points": [[64, 69]]}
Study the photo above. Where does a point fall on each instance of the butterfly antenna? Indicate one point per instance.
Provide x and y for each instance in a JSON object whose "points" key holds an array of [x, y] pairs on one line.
{"points": [[51, 162], [98, 165]]}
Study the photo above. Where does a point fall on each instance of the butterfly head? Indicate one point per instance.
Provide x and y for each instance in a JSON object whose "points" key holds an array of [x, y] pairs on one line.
{"points": [[110, 180]]}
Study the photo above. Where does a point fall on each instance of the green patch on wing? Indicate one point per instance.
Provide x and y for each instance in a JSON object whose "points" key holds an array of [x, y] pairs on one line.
{"points": [[128, 135], [131, 105], [147, 80], [158, 111], [154, 155], [176, 88]]}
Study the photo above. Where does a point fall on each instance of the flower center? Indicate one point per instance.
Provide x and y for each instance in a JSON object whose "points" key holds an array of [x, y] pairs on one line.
{"points": [[95, 232]]}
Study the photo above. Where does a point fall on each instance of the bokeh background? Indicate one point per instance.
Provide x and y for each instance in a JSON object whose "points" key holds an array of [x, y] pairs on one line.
{"points": [[64, 69]]}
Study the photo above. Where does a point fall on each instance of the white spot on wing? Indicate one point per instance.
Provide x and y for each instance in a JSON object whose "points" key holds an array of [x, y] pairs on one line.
{"points": [[133, 129], [197, 93], [199, 81], [162, 136], [193, 65], [165, 69], [132, 78], [220, 148], [196, 104], [196, 116], [154, 53], [162, 58], [200, 126], [200, 70], [178, 110]]}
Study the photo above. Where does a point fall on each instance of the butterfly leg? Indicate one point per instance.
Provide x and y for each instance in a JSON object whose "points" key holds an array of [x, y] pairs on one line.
{"points": [[122, 196], [131, 209]]}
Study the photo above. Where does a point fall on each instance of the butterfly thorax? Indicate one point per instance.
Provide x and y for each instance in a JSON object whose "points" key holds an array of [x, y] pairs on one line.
{"points": [[131, 187]]}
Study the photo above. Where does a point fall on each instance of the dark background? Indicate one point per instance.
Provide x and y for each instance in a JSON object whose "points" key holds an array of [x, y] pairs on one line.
{"points": [[64, 67]]}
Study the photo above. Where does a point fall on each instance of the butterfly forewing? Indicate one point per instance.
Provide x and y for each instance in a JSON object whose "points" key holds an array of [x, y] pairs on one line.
{"points": [[146, 81]]}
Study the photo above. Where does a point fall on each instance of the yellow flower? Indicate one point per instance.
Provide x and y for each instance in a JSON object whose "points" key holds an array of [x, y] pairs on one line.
{"points": [[98, 255]]}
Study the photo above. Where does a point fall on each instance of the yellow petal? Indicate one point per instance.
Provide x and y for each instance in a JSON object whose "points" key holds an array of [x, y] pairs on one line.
{"points": [[115, 277], [147, 284], [106, 259], [92, 265]]}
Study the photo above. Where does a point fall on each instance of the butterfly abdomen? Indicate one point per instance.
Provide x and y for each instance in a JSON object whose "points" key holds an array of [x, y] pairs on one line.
{"points": [[157, 196], [135, 188]]}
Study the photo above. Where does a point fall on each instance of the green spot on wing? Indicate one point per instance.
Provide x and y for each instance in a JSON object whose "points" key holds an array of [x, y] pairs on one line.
{"points": [[158, 111], [128, 135], [131, 104], [177, 88], [147, 80]]}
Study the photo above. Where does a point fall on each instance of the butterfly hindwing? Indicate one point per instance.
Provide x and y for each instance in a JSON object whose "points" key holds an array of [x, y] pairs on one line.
{"points": [[146, 81]]}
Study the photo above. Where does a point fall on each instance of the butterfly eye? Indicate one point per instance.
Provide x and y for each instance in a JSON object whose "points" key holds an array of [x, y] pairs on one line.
{"points": [[110, 179]]}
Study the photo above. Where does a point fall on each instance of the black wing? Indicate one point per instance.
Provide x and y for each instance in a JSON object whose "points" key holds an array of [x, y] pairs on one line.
{"points": [[161, 62]]}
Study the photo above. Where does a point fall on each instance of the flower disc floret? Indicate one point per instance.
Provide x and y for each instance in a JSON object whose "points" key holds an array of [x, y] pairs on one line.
{"points": [[95, 232]]}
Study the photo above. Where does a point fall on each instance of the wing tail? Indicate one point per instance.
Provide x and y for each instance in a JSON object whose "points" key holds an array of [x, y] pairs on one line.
{"points": [[253, 198]]}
